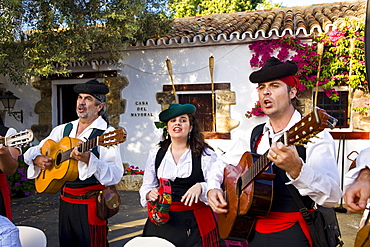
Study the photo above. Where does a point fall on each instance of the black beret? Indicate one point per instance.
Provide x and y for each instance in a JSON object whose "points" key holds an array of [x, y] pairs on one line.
{"points": [[91, 87], [175, 110], [273, 69]]}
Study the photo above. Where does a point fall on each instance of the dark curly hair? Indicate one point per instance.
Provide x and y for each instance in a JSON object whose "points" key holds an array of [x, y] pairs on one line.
{"points": [[196, 141], [297, 104]]}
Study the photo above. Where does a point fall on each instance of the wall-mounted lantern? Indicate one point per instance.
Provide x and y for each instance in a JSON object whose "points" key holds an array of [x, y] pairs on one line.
{"points": [[8, 100]]}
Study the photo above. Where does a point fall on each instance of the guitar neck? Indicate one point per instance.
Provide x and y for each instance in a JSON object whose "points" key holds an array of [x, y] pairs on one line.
{"points": [[258, 167], [83, 147], [89, 144]]}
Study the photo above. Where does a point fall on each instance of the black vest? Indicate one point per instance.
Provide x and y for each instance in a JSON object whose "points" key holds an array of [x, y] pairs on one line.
{"points": [[282, 200], [181, 185]]}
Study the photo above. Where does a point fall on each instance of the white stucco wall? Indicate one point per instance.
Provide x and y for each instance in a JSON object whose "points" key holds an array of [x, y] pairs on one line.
{"points": [[28, 97], [147, 72]]}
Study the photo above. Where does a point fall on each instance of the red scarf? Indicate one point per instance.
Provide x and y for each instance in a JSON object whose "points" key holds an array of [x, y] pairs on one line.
{"points": [[292, 80], [6, 192], [205, 220], [279, 221]]}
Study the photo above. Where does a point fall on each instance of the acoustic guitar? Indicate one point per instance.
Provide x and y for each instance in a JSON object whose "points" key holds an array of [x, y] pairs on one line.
{"points": [[63, 168], [18, 139], [248, 187]]}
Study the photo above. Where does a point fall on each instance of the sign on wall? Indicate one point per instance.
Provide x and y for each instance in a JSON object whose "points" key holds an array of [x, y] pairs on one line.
{"points": [[142, 109]]}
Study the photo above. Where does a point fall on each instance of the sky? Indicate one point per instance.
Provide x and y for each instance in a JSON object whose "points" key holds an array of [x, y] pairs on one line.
{"points": [[292, 3]]}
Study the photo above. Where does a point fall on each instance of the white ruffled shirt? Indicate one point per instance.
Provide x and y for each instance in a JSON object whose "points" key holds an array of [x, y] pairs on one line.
{"points": [[169, 170], [319, 177], [108, 169], [362, 161]]}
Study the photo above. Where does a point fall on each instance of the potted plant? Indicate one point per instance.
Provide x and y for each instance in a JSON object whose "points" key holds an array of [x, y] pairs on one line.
{"points": [[132, 179], [20, 185]]}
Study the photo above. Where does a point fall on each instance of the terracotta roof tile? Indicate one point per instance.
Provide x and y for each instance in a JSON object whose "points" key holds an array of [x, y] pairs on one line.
{"points": [[265, 24]]}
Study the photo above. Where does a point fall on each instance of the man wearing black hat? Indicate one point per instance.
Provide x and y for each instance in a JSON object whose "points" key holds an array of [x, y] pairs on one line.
{"points": [[312, 172], [78, 222]]}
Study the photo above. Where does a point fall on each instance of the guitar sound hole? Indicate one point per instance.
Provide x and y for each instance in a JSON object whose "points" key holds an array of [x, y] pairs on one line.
{"points": [[58, 160]]}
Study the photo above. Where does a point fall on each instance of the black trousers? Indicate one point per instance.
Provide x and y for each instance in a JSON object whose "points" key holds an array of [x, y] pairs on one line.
{"points": [[181, 230], [290, 237], [74, 230]]}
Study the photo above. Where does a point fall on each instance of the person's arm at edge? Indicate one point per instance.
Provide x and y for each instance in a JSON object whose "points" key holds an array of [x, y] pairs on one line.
{"points": [[358, 193]]}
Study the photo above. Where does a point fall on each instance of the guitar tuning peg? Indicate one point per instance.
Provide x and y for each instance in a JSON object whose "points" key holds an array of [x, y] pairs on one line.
{"points": [[310, 136], [302, 143], [305, 139], [314, 135], [308, 139], [299, 143]]}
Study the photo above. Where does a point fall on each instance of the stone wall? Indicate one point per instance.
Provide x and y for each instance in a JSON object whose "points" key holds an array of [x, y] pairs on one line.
{"points": [[130, 182], [43, 109], [115, 105], [361, 98]]}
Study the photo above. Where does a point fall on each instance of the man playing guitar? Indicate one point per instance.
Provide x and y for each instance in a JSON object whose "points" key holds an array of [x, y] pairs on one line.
{"points": [[312, 171], [78, 223]]}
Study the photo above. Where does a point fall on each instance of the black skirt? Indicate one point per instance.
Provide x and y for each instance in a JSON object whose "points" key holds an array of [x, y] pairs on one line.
{"points": [[181, 230]]}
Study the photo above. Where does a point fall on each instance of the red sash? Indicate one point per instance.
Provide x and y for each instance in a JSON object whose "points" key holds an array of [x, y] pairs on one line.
{"points": [[205, 220], [6, 192], [93, 219], [279, 221]]}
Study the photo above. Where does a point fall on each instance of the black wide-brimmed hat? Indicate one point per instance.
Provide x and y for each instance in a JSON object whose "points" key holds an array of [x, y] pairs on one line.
{"points": [[273, 69], [91, 87], [175, 110]]}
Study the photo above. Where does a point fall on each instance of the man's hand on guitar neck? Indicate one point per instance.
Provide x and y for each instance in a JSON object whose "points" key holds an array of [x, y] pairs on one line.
{"points": [[77, 155], [286, 158], [42, 161], [217, 201]]}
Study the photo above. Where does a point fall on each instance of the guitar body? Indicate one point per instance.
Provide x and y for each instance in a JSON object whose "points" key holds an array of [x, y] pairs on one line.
{"points": [[51, 180], [244, 206], [256, 198], [64, 168]]}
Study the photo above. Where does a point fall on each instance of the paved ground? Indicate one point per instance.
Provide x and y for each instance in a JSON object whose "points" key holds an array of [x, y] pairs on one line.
{"points": [[41, 211]]}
